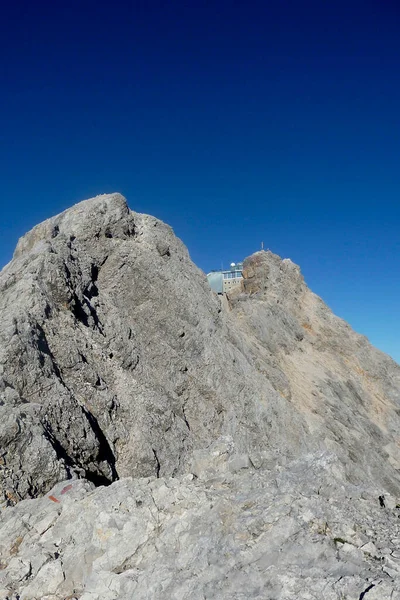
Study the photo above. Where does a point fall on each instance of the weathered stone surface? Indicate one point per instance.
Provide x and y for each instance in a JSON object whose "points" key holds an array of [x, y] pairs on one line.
{"points": [[256, 437], [117, 360], [347, 391], [267, 533]]}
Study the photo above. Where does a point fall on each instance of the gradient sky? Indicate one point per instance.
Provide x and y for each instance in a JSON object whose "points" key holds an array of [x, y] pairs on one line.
{"points": [[234, 122]]}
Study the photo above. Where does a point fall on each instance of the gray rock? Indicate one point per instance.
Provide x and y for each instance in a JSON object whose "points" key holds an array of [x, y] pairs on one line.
{"points": [[254, 533], [255, 436], [117, 360]]}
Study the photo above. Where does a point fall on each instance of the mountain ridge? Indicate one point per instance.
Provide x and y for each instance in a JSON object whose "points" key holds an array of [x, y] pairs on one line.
{"points": [[117, 361]]}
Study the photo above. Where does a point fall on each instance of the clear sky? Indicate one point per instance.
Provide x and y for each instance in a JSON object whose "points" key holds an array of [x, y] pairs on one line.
{"points": [[235, 122]]}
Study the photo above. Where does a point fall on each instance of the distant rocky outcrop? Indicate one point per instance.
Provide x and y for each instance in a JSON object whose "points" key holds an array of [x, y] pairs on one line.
{"points": [[117, 361]]}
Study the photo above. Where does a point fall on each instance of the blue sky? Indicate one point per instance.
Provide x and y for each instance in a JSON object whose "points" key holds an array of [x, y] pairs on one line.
{"points": [[236, 123]]}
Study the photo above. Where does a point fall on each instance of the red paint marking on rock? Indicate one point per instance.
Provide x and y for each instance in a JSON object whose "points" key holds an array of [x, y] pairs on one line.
{"points": [[66, 489], [53, 498]]}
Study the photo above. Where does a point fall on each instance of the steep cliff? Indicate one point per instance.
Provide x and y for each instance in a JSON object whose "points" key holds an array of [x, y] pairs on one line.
{"points": [[117, 359]]}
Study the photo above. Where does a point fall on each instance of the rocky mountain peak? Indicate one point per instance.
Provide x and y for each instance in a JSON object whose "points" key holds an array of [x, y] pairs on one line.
{"points": [[265, 272], [106, 215], [118, 362]]}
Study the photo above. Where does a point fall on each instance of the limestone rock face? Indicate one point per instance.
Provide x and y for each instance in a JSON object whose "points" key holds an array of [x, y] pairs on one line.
{"points": [[255, 436], [117, 359], [286, 533], [347, 391]]}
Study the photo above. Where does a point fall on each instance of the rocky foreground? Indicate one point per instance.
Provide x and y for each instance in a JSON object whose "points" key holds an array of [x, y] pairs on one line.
{"points": [[159, 442]]}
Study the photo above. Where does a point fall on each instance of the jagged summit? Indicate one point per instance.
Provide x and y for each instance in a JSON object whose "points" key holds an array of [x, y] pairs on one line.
{"points": [[117, 360], [103, 214]]}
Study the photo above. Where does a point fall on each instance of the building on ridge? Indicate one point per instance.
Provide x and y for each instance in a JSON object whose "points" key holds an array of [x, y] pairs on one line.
{"points": [[224, 281]]}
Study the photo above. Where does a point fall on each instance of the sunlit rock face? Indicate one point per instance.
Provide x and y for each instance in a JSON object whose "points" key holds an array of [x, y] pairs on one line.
{"points": [[117, 361]]}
